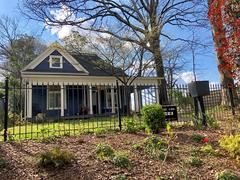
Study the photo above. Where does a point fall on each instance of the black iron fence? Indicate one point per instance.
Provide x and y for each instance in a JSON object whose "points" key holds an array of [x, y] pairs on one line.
{"points": [[33, 111]]}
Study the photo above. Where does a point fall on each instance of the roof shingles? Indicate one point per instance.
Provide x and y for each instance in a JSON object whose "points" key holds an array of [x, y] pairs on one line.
{"points": [[91, 62], [95, 65]]}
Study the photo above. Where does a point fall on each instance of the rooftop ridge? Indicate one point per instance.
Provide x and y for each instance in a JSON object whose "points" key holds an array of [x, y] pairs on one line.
{"points": [[83, 53]]}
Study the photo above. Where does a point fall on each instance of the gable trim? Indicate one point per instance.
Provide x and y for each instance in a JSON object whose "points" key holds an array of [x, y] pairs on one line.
{"points": [[52, 73], [33, 64]]}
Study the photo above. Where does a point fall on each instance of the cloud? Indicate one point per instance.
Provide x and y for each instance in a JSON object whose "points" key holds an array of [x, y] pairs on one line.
{"points": [[61, 14], [64, 13], [187, 77], [61, 31]]}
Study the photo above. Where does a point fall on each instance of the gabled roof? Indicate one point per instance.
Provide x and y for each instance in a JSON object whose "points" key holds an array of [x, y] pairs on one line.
{"points": [[90, 64], [47, 52], [96, 66]]}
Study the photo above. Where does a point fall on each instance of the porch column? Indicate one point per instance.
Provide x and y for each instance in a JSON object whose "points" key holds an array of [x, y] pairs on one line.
{"points": [[157, 94], [29, 100], [90, 100], [139, 98], [113, 100], [85, 98], [99, 102], [136, 98], [62, 100]]}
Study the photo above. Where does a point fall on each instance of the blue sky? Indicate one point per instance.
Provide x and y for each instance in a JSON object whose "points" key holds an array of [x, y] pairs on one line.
{"points": [[10, 8], [206, 62]]}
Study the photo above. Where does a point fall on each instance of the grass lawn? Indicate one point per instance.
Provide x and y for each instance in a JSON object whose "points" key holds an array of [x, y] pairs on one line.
{"points": [[76, 127], [61, 128]]}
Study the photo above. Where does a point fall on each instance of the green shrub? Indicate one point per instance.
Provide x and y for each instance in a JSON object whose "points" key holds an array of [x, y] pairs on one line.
{"points": [[121, 160], [104, 151], [154, 117], [194, 161], [3, 162], [130, 125], [155, 147], [232, 145], [212, 122], [99, 132], [226, 175], [137, 146], [194, 152], [197, 122], [208, 149], [197, 137], [154, 142], [44, 131], [55, 158]]}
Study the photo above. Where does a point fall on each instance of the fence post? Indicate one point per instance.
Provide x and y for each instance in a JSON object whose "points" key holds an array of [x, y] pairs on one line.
{"points": [[118, 106], [6, 111]]}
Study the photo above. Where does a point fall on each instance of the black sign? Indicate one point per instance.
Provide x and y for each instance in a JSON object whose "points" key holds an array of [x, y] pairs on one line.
{"points": [[199, 88], [170, 112]]}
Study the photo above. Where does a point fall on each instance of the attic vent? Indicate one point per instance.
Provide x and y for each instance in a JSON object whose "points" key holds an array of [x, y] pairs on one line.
{"points": [[56, 62]]}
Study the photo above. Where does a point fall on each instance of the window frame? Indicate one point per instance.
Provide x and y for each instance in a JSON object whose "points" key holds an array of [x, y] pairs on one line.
{"points": [[53, 92], [51, 63]]}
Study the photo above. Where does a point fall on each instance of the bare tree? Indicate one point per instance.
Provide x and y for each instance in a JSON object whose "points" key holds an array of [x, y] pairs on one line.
{"points": [[75, 42], [124, 60], [16, 49], [174, 64], [9, 33], [144, 19]]}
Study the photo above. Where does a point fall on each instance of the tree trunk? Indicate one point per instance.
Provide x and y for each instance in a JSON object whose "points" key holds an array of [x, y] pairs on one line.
{"points": [[225, 80], [157, 56]]}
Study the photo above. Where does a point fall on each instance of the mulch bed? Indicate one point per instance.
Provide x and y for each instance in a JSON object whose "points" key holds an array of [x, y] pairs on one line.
{"points": [[22, 164]]}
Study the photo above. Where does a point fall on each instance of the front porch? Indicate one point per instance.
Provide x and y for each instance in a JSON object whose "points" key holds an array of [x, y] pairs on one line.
{"points": [[80, 99]]}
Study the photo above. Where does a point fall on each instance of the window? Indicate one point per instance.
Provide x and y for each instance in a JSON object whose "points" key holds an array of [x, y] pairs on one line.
{"points": [[56, 62], [54, 97]]}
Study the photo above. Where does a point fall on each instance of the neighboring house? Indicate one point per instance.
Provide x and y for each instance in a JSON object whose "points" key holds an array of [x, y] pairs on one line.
{"points": [[62, 84]]}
